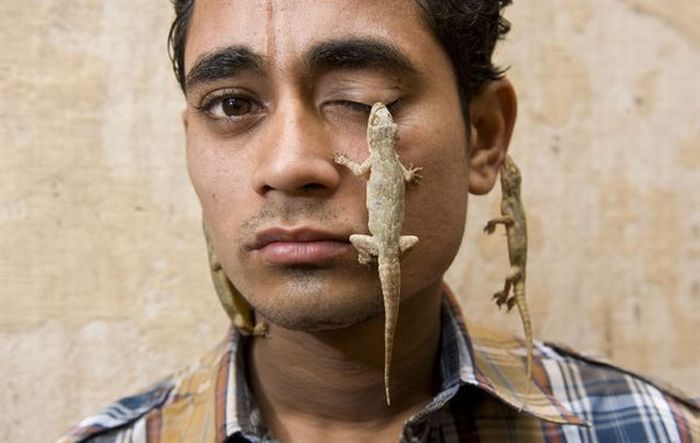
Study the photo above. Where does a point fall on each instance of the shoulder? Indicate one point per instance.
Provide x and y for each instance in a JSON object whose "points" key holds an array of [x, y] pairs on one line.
{"points": [[615, 401], [609, 402], [178, 404], [127, 415]]}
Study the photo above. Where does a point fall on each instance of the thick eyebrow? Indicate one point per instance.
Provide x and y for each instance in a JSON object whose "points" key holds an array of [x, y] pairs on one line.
{"points": [[224, 63], [354, 52], [347, 53]]}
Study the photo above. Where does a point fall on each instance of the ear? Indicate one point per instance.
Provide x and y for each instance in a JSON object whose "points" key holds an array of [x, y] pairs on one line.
{"points": [[492, 115]]}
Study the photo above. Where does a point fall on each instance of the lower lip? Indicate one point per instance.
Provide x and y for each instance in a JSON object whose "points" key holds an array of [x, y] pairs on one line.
{"points": [[295, 253]]}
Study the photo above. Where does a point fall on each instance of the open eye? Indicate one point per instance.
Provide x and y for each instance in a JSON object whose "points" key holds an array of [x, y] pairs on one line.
{"points": [[228, 105], [234, 106]]}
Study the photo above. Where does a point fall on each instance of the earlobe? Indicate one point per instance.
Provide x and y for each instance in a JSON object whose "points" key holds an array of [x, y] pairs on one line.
{"points": [[492, 114]]}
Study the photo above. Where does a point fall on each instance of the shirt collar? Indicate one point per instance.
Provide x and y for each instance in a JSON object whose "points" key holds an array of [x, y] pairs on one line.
{"points": [[494, 362], [483, 358]]}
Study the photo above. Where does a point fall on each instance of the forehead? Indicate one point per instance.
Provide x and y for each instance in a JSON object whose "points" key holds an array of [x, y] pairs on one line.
{"points": [[281, 30]]}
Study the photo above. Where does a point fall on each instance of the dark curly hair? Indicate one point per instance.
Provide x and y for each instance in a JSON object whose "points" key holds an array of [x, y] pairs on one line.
{"points": [[467, 29]]}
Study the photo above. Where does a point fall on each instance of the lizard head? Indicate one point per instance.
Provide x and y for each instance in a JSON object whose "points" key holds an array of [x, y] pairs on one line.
{"points": [[510, 175], [380, 124]]}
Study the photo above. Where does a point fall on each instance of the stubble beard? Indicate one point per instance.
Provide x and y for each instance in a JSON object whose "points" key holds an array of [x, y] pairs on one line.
{"points": [[306, 297], [308, 301]]}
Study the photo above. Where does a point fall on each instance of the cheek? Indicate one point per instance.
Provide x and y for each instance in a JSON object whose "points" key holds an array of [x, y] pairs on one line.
{"points": [[213, 170], [436, 206], [218, 183], [200, 159], [439, 213]]}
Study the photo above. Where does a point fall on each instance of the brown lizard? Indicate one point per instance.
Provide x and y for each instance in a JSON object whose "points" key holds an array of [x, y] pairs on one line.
{"points": [[513, 218], [237, 308], [385, 207]]}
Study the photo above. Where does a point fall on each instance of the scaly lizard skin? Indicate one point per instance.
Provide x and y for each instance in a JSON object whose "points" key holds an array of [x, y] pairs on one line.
{"points": [[513, 218], [237, 308], [385, 206]]}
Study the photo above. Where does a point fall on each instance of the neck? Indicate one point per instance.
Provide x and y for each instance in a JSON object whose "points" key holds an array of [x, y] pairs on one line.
{"points": [[336, 378]]}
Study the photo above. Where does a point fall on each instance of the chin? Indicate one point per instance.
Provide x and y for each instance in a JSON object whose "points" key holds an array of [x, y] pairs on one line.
{"points": [[306, 301], [319, 323]]}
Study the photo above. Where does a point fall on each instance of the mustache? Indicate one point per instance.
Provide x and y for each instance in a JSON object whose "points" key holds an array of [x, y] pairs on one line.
{"points": [[298, 213]]}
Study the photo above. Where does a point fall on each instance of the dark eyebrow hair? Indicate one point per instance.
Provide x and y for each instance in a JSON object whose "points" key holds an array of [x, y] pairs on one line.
{"points": [[345, 53], [223, 63], [355, 52]]}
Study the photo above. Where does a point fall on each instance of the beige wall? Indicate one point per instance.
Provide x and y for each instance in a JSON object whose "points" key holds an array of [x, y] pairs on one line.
{"points": [[103, 277]]}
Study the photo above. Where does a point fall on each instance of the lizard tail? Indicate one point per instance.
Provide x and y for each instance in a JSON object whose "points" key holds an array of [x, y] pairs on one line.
{"points": [[390, 279], [520, 301]]}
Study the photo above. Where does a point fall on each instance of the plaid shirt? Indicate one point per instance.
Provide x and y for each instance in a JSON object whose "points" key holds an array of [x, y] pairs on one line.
{"points": [[575, 399]]}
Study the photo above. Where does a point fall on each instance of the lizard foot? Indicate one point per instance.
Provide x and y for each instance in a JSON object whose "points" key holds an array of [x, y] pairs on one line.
{"points": [[501, 297], [490, 227], [411, 175], [406, 243], [261, 329], [366, 247], [364, 259], [341, 159]]}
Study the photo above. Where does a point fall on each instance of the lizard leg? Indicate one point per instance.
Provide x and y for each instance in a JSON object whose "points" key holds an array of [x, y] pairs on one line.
{"points": [[410, 174], [366, 247], [491, 224], [514, 276], [356, 168], [407, 242], [502, 296]]}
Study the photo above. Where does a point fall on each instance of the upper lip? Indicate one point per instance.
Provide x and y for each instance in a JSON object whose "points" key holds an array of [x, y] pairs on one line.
{"points": [[298, 234]]}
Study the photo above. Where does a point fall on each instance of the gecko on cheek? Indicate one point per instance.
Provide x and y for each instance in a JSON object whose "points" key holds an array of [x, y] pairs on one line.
{"points": [[385, 207]]}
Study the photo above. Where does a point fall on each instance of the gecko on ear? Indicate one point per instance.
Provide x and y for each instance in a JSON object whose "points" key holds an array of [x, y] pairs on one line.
{"points": [[514, 219], [492, 114]]}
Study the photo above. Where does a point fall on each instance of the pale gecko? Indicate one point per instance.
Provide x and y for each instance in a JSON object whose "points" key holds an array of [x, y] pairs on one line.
{"points": [[385, 207]]}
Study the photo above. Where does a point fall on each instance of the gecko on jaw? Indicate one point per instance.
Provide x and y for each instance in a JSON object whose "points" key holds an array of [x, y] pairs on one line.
{"points": [[385, 207], [235, 305]]}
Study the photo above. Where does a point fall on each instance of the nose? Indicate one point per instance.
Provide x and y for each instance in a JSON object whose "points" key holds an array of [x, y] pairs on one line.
{"points": [[295, 156]]}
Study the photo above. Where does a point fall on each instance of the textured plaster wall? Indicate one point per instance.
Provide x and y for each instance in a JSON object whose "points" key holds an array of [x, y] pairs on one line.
{"points": [[103, 280]]}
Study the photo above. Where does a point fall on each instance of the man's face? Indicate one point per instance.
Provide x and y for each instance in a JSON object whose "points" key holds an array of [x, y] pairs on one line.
{"points": [[275, 88]]}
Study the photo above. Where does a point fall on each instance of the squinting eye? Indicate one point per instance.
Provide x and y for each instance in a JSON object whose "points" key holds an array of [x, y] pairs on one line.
{"points": [[357, 106], [365, 108]]}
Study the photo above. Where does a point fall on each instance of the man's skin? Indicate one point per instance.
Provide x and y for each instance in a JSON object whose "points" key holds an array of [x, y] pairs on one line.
{"points": [[280, 211]]}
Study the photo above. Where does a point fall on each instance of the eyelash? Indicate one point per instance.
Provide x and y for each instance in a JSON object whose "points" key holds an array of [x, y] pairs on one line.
{"points": [[218, 98], [392, 106]]}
